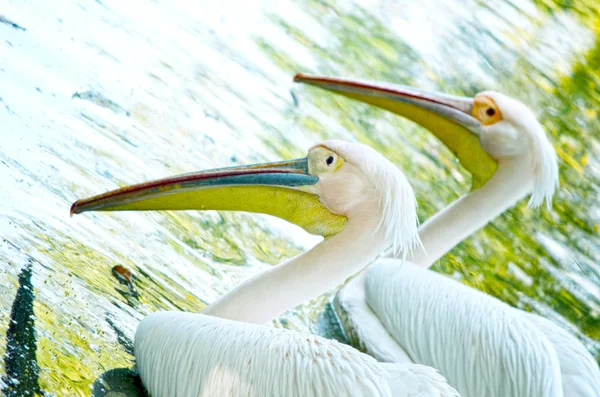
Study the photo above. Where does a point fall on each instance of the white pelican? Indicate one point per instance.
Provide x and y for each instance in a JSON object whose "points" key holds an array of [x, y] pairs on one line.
{"points": [[348, 193], [481, 345]]}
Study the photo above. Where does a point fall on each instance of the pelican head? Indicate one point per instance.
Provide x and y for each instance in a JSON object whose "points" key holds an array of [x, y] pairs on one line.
{"points": [[335, 184], [486, 132]]}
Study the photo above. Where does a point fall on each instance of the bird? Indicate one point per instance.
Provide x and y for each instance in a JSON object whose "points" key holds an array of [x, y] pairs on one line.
{"points": [[401, 312], [355, 198]]}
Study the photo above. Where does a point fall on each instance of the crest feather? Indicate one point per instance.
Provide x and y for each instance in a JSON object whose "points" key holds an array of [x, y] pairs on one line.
{"points": [[397, 202], [545, 168], [544, 162]]}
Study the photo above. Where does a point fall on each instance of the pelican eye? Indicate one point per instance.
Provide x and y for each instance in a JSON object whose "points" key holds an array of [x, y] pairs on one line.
{"points": [[323, 161], [485, 110]]}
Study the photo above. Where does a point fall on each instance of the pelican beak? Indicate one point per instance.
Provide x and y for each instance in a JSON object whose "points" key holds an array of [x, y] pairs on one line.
{"points": [[283, 189], [447, 117]]}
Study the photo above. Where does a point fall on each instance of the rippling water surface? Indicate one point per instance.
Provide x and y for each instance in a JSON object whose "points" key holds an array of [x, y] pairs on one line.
{"points": [[97, 94]]}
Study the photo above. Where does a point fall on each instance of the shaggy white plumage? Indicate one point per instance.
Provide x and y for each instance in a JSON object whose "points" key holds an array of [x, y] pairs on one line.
{"points": [[520, 136], [580, 372], [185, 354], [404, 313], [397, 202], [480, 344], [545, 168]]}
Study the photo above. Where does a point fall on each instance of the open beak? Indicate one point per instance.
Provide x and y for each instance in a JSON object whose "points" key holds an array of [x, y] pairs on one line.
{"points": [[447, 117], [283, 189]]}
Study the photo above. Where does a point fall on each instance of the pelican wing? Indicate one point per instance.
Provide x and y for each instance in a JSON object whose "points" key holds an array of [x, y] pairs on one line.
{"points": [[579, 370], [186, 354], [414, 380], [476, 342], [362, 326]]}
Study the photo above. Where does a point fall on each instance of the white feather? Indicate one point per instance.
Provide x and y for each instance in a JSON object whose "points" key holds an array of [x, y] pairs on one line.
{"points": [[413, 380], [473, 339], [397, 201], [520, 135], [362, 325], [580, 372], [477, 342], [545, 168], [185, 354]]}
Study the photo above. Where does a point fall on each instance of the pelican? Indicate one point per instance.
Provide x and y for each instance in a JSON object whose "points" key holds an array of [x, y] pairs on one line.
{"points": [[346, 192], [481, 345]]}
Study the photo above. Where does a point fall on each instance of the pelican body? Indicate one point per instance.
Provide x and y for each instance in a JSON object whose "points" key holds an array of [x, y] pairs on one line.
{"points": [[348, 193], [401, 312]]}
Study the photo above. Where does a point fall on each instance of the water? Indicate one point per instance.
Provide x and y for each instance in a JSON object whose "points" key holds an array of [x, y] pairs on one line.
{"points": [[96, 94]]}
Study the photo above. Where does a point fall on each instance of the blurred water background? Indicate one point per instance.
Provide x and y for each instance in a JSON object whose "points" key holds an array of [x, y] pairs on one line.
{"points": [[97, 94]]}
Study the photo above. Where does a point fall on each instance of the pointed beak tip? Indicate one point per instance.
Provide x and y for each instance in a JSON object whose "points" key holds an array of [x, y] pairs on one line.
{"points": [[300, 77], [74, 209]]}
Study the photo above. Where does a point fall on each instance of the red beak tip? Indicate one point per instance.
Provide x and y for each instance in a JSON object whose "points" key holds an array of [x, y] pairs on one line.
{"points": [[299, 77], [74, 209]]}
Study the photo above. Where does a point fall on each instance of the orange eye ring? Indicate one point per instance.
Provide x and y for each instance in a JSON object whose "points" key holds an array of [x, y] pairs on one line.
{"points": [[485, 110]]}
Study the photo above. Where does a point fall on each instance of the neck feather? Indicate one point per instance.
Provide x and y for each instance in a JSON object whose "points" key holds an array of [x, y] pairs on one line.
{"points": [[465, 216], [304, 277]]}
